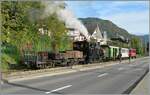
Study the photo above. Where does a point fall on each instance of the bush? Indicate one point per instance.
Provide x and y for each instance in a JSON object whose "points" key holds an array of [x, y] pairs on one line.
{"points": [[5, 61]]}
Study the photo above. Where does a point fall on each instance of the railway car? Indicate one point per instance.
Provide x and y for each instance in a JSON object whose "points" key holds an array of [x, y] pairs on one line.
{"points": [[74, 57], [30, 59], [125, 53], [37, 60], [132, 53], [49, 59], [59, 58], [106, 52], [114, 52], [110, 52]]}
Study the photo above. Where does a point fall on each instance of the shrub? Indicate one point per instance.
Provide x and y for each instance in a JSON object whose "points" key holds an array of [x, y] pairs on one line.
{"points": [[5, 61]]}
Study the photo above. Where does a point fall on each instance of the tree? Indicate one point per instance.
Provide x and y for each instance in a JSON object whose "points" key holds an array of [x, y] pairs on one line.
{"points": [[137, 44], [20, 27], [17, 29], [57, 32]]}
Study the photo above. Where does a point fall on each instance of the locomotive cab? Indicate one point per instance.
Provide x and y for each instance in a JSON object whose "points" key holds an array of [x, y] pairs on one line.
{"points": [[91, 50]]}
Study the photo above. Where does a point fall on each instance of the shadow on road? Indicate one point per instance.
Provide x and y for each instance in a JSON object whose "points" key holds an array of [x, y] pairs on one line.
{"points": [[29, 87]]}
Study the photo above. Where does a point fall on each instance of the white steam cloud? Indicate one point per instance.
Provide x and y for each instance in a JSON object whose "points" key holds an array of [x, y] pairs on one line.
{"points": [[65, 15]]}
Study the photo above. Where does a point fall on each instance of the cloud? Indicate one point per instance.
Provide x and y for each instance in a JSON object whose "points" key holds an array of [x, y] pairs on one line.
{"points": [[112, 7], [133, 22], [130, 15]]}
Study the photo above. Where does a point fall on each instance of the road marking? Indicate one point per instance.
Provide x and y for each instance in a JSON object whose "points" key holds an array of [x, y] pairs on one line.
{"points": [[121, 68], [102, 75], [138, 69], [130, 65], [134, 70], [133, 65], [58, 89]]}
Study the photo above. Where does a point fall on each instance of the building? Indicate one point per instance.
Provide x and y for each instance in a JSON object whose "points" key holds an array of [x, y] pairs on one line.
{"points": [[96, 33], [75, 35]]}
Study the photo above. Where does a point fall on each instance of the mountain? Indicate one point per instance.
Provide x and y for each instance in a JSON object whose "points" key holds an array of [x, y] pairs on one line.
{"points": [[145, 38], [105, 25]]}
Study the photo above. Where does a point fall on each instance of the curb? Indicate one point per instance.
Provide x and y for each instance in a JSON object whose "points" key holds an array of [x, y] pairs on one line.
{"points": [[128, 91]]}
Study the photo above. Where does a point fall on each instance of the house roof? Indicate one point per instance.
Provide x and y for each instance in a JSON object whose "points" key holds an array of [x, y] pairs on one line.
{"points": [[94, 30], [91, 27], [97, 33]]}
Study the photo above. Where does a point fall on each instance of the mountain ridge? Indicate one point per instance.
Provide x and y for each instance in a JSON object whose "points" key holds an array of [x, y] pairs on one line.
{"points": [[145, 38], [112, 29], [106, 25]]}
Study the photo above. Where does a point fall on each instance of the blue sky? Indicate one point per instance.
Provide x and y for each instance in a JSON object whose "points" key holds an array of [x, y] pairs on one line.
{"points": [[130, 15]]}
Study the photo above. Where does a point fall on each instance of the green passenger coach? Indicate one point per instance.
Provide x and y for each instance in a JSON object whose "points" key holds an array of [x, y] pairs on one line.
{"points": [[110, 52]]}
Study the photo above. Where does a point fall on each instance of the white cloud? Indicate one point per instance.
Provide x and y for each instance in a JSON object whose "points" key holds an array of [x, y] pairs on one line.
{"points": [[130, 15], [133, 22], [105, 8]]}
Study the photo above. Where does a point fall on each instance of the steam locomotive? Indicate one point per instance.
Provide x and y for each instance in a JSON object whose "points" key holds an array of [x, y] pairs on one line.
{"points": [[83, 52]]}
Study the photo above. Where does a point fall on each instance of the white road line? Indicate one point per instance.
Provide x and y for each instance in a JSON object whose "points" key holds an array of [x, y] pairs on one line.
{"points": [[134, 70], [102, 75], [131, 65], [134, 65], [58, 89], [138, 69], [121, 68]]}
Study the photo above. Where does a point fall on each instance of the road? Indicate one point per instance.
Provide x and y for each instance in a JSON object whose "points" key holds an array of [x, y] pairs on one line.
{"points": [[114, 79]]}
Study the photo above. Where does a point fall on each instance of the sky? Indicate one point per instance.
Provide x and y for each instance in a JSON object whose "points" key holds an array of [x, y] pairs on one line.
{"points": [[132, 16]]}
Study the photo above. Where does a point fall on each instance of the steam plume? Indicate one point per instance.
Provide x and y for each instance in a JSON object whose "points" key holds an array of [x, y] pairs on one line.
{"points": [[64, 15]]}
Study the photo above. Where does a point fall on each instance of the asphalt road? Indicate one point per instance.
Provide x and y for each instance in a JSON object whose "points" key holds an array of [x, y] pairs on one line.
{"points": [[109, 80]]}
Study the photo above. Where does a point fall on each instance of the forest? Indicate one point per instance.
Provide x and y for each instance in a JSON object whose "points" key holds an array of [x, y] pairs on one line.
{"points": [[20, 32]]}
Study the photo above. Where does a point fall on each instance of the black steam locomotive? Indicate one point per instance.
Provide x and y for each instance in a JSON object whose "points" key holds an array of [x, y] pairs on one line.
{"points": [[92, 51]]}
